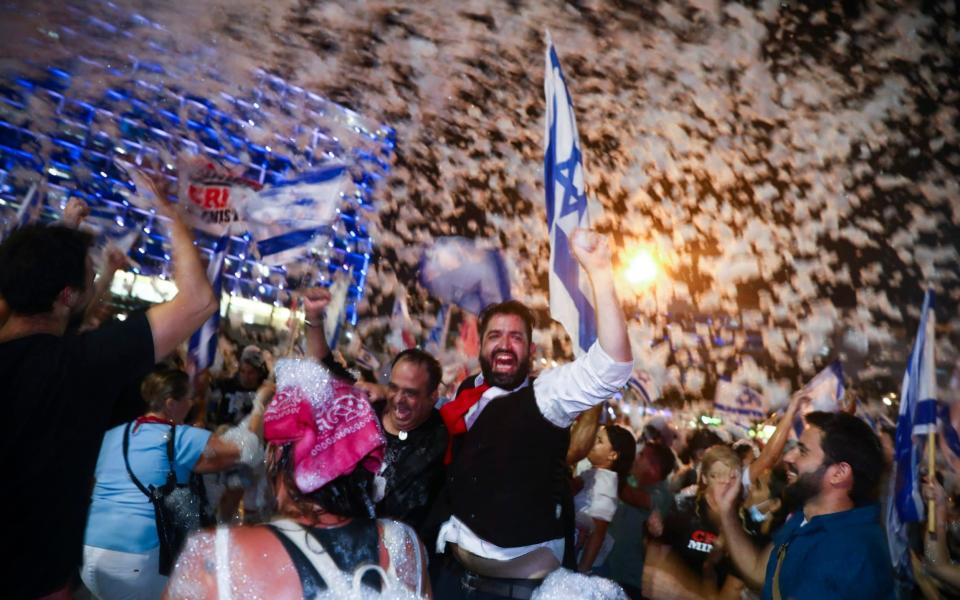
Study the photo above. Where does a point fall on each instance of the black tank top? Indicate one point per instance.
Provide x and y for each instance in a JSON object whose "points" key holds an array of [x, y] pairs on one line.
{"points": [[350, 546]]}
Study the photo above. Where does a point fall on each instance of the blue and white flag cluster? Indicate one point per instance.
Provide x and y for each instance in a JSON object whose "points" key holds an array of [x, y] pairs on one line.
{"points": [[571, 300], [918, 416], [458, 271], [203, 343]]}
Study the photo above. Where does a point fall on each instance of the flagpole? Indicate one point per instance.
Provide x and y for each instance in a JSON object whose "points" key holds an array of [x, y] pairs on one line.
{"points": [[931, 472], [446, 328]]}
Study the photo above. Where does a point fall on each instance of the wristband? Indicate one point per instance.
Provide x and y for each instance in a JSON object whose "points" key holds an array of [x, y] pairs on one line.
{"points": [[316, 323]]}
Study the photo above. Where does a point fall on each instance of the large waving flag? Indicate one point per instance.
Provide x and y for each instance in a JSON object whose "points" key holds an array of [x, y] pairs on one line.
{"points": [[571, 300], [287, 216], [458, 271], [918, 416], [202, 348]]}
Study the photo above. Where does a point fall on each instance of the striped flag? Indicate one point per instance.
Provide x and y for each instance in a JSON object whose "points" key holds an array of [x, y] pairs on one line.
{"points": [[918, 416], [644, 386], [203, 343], [571, 301], [739, 404], [333, 316]]}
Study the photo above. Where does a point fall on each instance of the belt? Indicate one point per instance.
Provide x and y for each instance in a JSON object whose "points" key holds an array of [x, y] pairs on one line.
{"points": [[520, 589]]}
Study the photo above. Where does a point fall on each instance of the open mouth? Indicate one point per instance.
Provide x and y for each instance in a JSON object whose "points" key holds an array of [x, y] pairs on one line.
{"points": [[504, 361], [402, 412]]}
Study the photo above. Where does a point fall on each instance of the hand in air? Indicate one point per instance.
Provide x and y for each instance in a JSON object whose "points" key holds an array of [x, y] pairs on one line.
{"points": [[315, 301], [115, 259], [932, 490], [591, 249], [75, 212]]}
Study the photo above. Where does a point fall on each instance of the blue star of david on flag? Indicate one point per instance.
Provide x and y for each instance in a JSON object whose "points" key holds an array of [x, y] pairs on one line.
{"points": [[567, 208]]}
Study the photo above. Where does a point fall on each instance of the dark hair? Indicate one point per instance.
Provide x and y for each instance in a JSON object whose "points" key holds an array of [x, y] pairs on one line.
{"points": [[625, 445], [37, 262], [778, 480], [424, 360], [743, 449], [663, 457], [510, 307], [848, 439], [699, 439], [349, 495], [161, 384]]}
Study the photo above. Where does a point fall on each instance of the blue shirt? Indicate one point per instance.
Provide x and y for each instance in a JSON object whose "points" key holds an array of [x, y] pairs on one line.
{"points": [[121, 517], [840, 555]]}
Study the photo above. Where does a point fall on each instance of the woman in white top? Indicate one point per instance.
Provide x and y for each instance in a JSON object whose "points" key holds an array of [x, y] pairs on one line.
{"points": [[595, 504]]}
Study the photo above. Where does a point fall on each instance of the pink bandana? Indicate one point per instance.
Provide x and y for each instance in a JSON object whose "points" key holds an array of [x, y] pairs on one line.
{"points": [[331, 424]]}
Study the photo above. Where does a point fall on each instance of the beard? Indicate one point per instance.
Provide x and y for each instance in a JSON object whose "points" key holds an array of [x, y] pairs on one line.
{"points": [[507, 381], [805, 487]]}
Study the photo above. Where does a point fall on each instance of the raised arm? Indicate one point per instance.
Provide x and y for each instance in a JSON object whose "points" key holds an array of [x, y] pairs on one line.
{"points": [[570, 389], [240, 444], [315, 301], [774, 448], [592, 251], [750, 561], [583, 434], [174, 321]]}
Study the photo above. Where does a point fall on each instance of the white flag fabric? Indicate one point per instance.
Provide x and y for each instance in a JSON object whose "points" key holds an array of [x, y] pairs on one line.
{"points": [[571, 300], [739, 404]]}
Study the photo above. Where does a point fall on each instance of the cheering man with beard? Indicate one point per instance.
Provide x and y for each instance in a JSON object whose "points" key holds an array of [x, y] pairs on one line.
{"points": [[507, 482], [834, 547]]}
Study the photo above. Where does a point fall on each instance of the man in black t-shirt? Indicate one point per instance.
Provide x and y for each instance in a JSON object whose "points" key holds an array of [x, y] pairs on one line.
{"points": [[416, 438], [58, 389], [234, 396]]}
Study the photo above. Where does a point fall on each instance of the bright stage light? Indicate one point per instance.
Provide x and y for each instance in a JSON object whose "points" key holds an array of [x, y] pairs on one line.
{"points": [[642, 269]]}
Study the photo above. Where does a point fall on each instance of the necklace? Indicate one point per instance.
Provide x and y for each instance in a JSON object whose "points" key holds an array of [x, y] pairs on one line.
{"points": [[402, 435]]}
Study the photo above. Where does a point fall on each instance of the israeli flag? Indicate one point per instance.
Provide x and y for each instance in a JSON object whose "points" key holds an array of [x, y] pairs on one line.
{"points": [[333, 317], [918, 416], [825, 391], [203, 343], [571, 300], [642, 383], [739, 404], [459, 271]]}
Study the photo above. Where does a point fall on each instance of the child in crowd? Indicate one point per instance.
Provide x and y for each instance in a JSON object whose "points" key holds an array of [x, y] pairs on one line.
{"points": [[595, 504]]}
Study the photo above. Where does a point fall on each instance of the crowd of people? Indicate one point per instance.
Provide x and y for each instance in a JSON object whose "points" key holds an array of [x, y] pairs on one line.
{"points": [[313, 483]]}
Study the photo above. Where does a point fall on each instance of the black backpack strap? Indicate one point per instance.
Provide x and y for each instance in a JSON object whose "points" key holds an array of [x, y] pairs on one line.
{"points": [[171, 475], [126, 462]]}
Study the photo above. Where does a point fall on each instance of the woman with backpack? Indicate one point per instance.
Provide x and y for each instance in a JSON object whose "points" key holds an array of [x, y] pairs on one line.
{"points": [[124, 554]]}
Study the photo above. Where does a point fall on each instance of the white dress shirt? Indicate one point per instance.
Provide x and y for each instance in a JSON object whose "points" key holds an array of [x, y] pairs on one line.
{"points": [[561, 394]]}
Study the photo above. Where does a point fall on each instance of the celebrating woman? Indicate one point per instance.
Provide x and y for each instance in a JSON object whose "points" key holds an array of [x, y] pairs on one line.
{"points": [[122, 553], [325, 446]]}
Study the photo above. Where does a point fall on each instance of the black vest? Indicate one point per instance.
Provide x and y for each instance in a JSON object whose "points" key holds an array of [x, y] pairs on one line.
{"points": [[508, 480]]}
